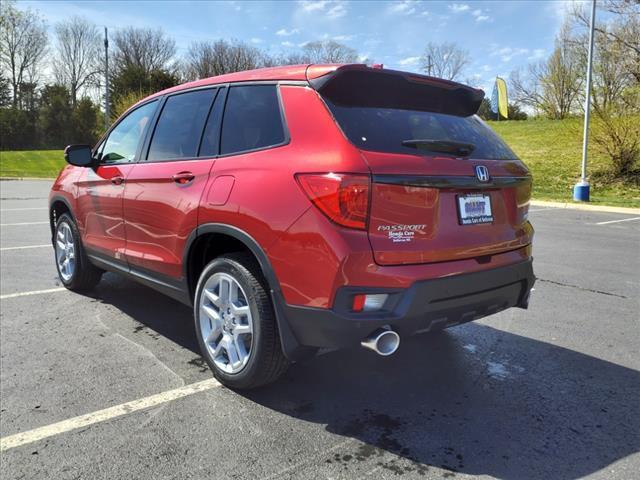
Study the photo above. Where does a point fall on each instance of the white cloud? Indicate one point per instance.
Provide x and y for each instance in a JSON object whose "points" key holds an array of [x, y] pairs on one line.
{"points": [[486, 68], [313, 6], [480, 15], [343, 38], [537, 54], [283, 32], [256, 40], [288, 44], [337, 11], [506, 54], [404, 7], [409, 61], [458, 7], [332, 8]]}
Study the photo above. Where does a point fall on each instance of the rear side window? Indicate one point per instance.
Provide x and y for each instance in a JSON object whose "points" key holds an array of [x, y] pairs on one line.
{"points": [[384, 130], [252, 119], [179, 128]]}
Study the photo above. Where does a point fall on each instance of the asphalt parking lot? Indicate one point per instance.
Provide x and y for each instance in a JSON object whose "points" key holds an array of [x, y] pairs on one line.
{"points": [[111, 385]]}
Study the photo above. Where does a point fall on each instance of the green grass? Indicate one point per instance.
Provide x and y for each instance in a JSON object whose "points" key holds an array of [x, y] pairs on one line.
{"points": [[551, 148], [31, 163]]}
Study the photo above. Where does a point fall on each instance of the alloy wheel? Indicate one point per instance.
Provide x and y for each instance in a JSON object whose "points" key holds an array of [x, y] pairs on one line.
{"points": [[226, 323]]}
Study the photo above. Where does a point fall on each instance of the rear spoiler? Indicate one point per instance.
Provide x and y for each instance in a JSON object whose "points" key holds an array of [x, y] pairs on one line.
{"points": [[362, 86]]}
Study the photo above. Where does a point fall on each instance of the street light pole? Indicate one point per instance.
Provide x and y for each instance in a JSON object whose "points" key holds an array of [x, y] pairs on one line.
{"points": [[581, 189], [107, 113]]}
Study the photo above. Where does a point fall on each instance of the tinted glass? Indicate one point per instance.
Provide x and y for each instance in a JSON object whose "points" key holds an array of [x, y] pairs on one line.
{"points": [[251, 119], [180, 125], [384, 129], [122, 143], [211, 138]]}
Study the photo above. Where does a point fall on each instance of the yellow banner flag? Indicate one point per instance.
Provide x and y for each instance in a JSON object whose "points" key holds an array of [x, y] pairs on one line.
{"points": [[502, 97]]}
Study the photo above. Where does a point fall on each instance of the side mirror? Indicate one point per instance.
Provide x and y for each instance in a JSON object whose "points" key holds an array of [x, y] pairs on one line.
{"points": [[78, 155]]}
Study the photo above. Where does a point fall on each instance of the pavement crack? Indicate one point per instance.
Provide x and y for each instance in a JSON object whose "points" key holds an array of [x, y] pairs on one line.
{"points": [[584, 289]]}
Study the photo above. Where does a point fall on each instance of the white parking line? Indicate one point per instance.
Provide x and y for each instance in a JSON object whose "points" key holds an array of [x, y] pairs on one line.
{"points": [[618, 221], [19, 439], [20, 209], [34, 292], [25, 247], [23, 223]]}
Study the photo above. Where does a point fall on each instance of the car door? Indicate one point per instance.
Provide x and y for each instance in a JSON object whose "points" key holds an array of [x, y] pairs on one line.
{"points": [[101, 189], [163, 191]]}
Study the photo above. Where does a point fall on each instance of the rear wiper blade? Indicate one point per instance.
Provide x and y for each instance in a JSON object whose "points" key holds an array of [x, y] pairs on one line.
{"points": [[443, 146]]}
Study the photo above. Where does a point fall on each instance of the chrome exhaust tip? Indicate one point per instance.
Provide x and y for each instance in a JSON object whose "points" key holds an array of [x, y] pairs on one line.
{"points": [[383, 341]]}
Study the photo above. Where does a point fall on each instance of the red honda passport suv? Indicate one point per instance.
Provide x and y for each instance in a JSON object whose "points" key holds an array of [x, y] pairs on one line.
{"points": [[302, 207]]}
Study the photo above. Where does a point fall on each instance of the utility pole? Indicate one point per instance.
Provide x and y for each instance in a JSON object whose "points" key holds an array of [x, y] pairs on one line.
{"points": [[107, 113], [581, 189], [429, 65]]}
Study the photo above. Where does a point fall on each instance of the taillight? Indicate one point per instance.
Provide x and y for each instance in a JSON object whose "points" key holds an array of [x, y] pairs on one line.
{"points": [[343, 197]]}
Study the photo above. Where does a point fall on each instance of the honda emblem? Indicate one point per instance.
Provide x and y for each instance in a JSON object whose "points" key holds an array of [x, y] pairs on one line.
{"points": [[482, 173]]}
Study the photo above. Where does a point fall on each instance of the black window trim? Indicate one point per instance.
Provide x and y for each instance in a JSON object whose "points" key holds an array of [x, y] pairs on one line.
{"points": [[141, 142], [144, 147], [165, 98]]}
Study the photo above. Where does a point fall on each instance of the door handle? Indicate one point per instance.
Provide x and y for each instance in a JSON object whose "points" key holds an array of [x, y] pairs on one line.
{"points": [[183, 178], [117, 180]]}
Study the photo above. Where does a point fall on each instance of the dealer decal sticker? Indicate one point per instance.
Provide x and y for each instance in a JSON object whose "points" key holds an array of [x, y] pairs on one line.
{"points": [[401, 233]]}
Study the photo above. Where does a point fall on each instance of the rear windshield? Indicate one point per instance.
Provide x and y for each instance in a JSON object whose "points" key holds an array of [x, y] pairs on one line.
{"points": [[384, 130]]}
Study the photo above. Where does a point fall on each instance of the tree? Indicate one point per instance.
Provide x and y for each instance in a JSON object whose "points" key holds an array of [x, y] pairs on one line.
{"points": [[132, 79], [327, 51], [54, 116], [5, 91], [77, 59], [444, 60], [208, 59], [23, 43], [144, 48], [551, 86], [85, 122]]}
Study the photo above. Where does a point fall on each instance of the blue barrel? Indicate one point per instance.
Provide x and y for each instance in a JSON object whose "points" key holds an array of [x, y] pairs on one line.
{"points": [[581, 192]]}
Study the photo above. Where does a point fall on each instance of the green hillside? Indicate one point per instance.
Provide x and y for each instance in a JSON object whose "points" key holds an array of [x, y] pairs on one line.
{"points": [[552, 149]]}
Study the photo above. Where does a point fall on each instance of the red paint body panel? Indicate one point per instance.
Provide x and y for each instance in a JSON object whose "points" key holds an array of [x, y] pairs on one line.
{"points": [[99, 208], [160, 213], [148, 219]]}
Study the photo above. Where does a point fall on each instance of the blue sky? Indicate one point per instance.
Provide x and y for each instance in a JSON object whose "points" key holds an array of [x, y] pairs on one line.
{"points": [[500, 36]]}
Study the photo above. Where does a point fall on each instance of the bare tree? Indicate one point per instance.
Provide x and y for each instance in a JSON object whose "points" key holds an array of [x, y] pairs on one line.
{"points": [[326, 51], [77, 60], [551, 86], [444, 60], [23, 44], [207, 59], [145, 48]]}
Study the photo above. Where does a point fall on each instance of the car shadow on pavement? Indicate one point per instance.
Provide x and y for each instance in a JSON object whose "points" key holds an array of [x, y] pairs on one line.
{"points": [[473, 399], [505, 405]]}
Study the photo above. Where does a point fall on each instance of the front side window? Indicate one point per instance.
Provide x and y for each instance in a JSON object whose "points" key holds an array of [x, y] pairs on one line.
{"points": [[252, 119], [179, 128], [123, 140]]}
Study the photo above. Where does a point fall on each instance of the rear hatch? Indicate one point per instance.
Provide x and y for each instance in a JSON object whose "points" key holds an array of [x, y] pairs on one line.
{"points": [[444, 185]]}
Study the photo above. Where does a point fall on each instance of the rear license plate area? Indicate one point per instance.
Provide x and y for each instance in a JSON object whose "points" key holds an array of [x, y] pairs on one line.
{"points": [[474, 209]]}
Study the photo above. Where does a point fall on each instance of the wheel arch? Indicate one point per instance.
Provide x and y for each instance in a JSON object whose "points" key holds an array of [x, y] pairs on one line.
{"points": [[290, 345], [58, 205]]}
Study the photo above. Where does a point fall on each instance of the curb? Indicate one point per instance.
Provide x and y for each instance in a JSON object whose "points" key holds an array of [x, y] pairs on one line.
{"points": [[587, 207]]}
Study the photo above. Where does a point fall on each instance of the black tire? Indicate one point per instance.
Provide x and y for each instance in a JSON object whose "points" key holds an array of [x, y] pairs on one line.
{"points": [[266, 361], [85, 275]]}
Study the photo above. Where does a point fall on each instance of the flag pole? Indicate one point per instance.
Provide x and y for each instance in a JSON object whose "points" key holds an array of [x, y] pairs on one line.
{"points": [[581, 189]]}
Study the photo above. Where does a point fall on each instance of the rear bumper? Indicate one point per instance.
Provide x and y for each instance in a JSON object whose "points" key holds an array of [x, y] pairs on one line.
{"points": [[426, 304]]}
